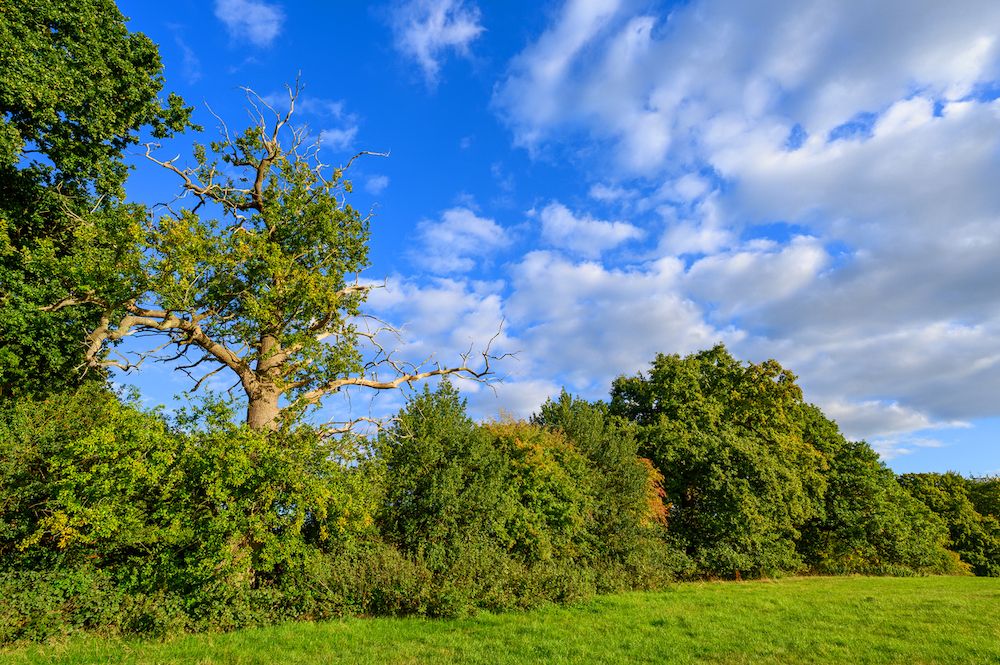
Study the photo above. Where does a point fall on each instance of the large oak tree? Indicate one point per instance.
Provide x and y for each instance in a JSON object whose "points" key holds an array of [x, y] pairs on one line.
{"points": [[257, 276]]}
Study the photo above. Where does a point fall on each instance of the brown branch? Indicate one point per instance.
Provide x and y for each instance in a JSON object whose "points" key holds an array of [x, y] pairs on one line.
{"points": [[70, 301], [408, 377], [139, 319]]}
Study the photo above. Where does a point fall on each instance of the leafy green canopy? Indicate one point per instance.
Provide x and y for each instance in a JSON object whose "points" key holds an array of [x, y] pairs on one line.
{"points": [[90, 485], [454, 484], [974, 536], [566, 493], [76, 88], [870, 524], [727, 438]]}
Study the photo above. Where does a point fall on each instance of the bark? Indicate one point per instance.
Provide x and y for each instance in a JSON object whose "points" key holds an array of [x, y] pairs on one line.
{"points": [[262, 404], [262, 408]]}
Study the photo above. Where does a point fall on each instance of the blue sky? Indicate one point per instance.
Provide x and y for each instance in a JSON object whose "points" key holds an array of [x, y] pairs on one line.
{"points": [[812, 181]]}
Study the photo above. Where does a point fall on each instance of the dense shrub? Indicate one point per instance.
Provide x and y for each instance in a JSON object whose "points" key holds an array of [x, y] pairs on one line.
{"points": [[870, 524], [203, 528], [86, 478], [512, 514], [975, 537]]}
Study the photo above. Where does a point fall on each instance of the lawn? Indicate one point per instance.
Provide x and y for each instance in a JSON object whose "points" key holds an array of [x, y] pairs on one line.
{"points": [[799, 620]]}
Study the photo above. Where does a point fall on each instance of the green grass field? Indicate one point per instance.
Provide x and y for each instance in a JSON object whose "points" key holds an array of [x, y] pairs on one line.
{"points": [[800, 620]]}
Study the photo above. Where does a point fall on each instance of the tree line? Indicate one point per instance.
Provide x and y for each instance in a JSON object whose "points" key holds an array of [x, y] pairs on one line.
{"points": [[120, 519]]}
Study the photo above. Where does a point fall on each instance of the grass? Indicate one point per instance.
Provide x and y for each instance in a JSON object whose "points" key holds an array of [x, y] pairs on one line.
{"points": [[799, 620]]}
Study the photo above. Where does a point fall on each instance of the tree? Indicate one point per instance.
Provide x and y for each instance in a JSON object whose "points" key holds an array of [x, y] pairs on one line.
{"points": [[985, 495], [75, 90], [259, 278], [975, 537], [870, 524], [629, 507], [727, 438]]}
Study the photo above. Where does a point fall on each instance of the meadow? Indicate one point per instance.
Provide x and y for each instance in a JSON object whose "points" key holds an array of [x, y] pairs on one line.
{"points": [[911, 620]]}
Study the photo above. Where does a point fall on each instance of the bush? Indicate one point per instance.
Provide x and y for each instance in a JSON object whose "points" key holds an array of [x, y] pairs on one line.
{"points": [[975, 537], [512, 514], [870, 525]]}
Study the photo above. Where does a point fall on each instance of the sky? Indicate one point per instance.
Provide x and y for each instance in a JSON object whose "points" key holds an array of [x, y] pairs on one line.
{"points": [[815, 181]]}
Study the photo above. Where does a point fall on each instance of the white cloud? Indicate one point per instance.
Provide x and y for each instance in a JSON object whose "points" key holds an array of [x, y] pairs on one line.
{"points": [[756, 274], [654, 85], [582, 323], [457, 240], [426, 30], [880, 420], [583, 235], [531, 97], [376, 184], [258, 22], [877, 279], [609, 193], [895, 447], [339, 138], [441, 319]]}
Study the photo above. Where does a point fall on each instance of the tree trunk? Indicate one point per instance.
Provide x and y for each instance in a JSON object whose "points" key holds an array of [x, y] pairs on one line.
{"points": [[262, 409], [262, 405]]}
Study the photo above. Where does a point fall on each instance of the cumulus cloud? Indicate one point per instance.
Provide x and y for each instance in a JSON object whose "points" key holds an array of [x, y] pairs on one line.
{"points": [[880, 420], [255, 21], [835, 207], [584, 323], [756, 274], [441, 319], [427, 30], [610, 193], [376, 184], [339, 138], [456, 241], [650, 83], [583, 235]]}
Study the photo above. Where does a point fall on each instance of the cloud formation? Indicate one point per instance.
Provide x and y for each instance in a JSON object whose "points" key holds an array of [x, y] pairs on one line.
{"points": [[833, 207], [583, 235], [456, 241], [427, 30], [253, 20]]}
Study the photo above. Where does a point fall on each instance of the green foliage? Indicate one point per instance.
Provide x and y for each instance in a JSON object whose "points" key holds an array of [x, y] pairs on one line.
{"points": [[272, 268], [512, 514], [444, 480], [975, 537], [870, 524], [738, 476], [84, 477], [628, 513], [984, 492], [455, 485], [76, 88], [217, 523]]}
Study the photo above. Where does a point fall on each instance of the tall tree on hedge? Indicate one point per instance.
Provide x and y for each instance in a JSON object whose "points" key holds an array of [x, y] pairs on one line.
{"points": [[76, 87], [258, 279], [727, 438]]}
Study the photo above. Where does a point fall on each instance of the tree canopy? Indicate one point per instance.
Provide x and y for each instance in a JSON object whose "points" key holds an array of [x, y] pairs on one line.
{"points": [[726, 437], [76, 88], [258, 278]]}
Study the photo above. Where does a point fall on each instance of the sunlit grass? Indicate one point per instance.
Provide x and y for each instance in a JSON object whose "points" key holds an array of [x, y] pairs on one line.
{"points": [[801, 620]]}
